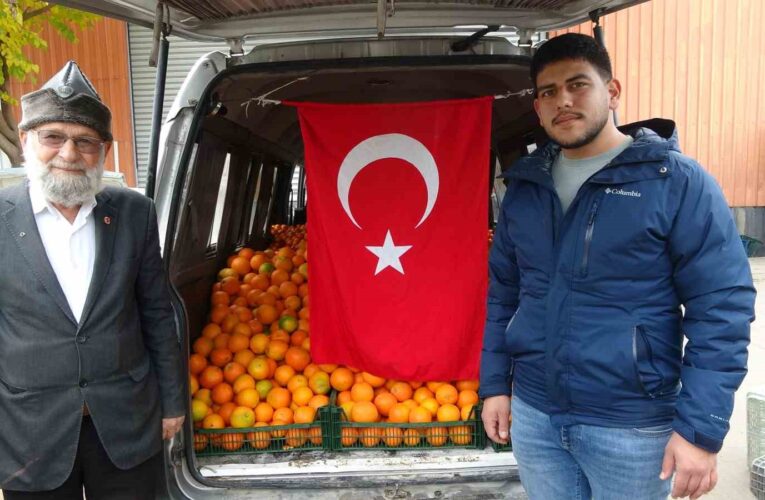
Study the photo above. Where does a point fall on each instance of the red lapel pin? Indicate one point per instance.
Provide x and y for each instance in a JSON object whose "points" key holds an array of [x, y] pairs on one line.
{"points": [[107, 220]]}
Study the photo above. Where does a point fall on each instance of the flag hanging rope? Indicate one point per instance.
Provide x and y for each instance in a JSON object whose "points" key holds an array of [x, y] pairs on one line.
{"points": [[263, 100]]}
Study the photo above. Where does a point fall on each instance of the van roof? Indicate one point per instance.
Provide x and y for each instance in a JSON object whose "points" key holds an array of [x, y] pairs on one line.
{"points": [[272, 19]]}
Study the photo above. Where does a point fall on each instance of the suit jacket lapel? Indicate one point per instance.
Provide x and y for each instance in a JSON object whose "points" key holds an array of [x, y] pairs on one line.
{"points": [[105, 218], [20, 223]]}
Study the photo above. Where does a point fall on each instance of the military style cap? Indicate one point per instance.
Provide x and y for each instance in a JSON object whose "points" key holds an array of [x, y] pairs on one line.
{"points": [[67, 97]]}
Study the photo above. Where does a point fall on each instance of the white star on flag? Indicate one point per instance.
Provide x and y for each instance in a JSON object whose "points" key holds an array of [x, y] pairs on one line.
{"points": [[389, 254]]}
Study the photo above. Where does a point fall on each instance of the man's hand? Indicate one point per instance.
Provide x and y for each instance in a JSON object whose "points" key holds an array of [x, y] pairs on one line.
{"points": [[496, 415], [170, 426], [696, 469]]}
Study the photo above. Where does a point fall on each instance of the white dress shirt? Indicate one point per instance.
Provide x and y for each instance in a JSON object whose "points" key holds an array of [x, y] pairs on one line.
{"points": [[71, 248]]}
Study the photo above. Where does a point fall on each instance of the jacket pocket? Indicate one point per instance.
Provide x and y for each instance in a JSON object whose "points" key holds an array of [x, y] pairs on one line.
{"points": [[649, 377], [588, 232]]}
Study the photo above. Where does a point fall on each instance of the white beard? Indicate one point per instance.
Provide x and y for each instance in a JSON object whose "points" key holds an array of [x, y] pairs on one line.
{"points": [[68, 190]]}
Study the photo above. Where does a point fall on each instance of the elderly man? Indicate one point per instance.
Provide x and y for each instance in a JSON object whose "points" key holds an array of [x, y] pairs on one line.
{"points": [[90, 371]]}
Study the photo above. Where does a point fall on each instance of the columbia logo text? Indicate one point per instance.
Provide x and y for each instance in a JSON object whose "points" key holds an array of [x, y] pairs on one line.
{"points": [[721, 419], [622, 192]]}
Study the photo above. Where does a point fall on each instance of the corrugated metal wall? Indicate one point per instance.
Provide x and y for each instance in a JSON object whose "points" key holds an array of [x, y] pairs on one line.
{"points": [[181, 57], [700, 63], [106, 66]]}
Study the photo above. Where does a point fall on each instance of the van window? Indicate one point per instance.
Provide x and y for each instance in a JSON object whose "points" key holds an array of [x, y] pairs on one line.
{"points": [[220, 204], [256, 175]]}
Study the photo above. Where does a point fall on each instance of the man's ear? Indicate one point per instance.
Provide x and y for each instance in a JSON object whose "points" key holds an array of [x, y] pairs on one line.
{"points": [[22, 137], [614, 93], [107, 148]]}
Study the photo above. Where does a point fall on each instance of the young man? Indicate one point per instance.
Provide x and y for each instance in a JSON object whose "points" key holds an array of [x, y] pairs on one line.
{"points": [[610, 249], [90, 366]]}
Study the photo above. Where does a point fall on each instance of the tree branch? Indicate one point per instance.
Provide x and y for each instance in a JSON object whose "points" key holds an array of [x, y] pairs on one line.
{"points": [[33, 13]]}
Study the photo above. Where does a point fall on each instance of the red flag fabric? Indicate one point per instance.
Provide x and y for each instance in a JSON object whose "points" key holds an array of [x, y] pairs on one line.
{"points": [[397, 235]]}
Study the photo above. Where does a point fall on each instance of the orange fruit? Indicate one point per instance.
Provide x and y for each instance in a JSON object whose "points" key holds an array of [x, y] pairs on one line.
{"points": [[257, 260], [221, 341], [293, 303], [211, 331], [259, 343], [461, 435], [213, 421], [220, 357], [263, 412], [200, 441], [220, 297], [412, 437], [420, 414], [231, 441], [298, 337], [230, 285], [288, 289], [305, 415], [193, 384], [244, 357], [343, 397], [446, 394], [279, 276], [302, 396], [373, 380], [348, 436], [362, 391], [436, 436], [255, 326], [421, 394], [433, 386], [398, 413], [328, 367], [266, 313], [259, 368], [467, 397], [393, 436], [319, 383], [448, 413], [311, 369], [401, 390], [203, 346], [228, 324], [247, 397], [384, 402], [241, 330], [296, 382], [410, 403], [466, 411], [240, 265], [314, 434], [341, 379], [218, 313], [232, 371], [285, 415], [210, 377], [247, 253], [277, 349], [242, 382], [198, 410], [259, 439], [364, 412], [318, 401], [297, 357], [243, 314], [242, 417], [431, 405], [222, 393], [277, 334], [279, 397], [295, 438], [283, 374], [370, 436], [197, 363], [260, 282], [263, 387], [204, 395]]}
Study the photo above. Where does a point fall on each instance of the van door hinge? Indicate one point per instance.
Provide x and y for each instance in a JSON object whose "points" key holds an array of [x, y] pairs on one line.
{"points": [[235, 46], [385, 9], [162, 27]]}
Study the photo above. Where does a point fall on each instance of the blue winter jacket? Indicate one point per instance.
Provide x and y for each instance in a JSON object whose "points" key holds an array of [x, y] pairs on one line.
{"points": [[587, 310]]}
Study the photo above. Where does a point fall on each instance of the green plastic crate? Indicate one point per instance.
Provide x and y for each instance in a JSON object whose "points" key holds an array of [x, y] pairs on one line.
{"points": [[349, 436], [266, 439]]}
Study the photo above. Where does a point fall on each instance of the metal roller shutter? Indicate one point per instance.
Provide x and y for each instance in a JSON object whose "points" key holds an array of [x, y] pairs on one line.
{"points": [[181, 56]]}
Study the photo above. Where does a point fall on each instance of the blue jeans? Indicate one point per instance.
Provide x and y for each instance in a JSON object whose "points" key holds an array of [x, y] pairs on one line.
{"points": [[586, 461]]}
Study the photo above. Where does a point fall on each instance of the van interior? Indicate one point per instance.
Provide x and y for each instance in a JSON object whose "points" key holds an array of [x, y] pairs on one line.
{"points": [[245, 172]]}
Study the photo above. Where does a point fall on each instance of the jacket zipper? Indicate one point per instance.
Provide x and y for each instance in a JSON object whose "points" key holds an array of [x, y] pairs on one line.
{"points": [[588, 238]]}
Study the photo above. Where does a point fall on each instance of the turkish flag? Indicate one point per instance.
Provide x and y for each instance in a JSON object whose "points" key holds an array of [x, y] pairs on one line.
{"points": [[397, 235]]}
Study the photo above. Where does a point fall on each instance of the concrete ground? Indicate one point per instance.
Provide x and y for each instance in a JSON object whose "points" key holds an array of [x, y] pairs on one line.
{"points": [[733, 483]]}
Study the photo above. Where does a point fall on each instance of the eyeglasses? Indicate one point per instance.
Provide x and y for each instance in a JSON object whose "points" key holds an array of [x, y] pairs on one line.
{"points": [[56, 140]]}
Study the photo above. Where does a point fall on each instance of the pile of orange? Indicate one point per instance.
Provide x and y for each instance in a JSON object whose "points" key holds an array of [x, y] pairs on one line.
{"points": [[251, 367]]}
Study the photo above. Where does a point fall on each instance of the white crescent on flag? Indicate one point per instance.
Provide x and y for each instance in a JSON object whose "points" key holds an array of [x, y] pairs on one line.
{"points": [[375, 148]]}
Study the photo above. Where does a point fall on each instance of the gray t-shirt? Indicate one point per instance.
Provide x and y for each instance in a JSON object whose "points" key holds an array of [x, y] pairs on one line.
{"points": [[569, 175]]}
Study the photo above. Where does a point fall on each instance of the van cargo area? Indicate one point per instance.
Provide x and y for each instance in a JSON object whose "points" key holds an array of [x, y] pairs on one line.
{"points": [[236, 165]]}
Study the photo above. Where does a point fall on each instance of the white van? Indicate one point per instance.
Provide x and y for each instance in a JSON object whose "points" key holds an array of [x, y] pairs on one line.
{"points": [[228, 157]]}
